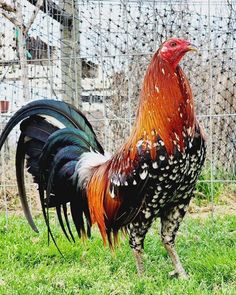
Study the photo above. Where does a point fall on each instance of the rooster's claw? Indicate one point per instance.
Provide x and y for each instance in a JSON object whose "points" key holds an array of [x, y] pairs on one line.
{"points": [[179, 274]]}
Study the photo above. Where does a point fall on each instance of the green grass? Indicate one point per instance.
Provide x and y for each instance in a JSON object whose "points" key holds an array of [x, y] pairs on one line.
{"points": [[29, 266], [218, 188], [204, 187]]}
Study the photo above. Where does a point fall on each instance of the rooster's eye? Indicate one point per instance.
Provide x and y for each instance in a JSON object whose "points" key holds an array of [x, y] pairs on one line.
{"points": [[173, 44]]}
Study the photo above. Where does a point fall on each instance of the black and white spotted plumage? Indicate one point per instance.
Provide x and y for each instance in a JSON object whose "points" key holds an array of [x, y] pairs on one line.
{"points": [[170, 185], [165, 186]]}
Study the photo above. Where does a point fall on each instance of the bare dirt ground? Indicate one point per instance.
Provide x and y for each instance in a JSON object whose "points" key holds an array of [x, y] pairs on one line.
{"points": [[227, 206], [226, 203]]}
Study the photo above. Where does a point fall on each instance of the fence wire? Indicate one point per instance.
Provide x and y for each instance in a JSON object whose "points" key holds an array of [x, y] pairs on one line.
{"points": [[93, 54]]}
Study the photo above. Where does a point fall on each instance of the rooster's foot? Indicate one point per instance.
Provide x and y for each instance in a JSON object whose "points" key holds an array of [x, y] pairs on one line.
{"points": [[180, 274]]}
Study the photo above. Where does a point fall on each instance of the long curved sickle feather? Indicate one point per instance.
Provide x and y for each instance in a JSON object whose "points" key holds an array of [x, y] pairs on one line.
{"points": [[69, 116], [20, 161], [58, 209], [67, 221], [45, 214], [64, 113]]}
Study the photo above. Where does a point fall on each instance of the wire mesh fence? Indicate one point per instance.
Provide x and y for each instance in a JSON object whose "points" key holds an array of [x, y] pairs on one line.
{"points": [[93, 54]]}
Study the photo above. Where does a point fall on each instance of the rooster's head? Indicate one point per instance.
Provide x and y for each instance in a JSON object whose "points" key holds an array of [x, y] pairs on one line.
{"points": [[174, 49]]}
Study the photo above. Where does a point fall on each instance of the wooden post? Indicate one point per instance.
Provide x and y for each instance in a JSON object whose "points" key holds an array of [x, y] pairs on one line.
{"points": [[70, 61]]}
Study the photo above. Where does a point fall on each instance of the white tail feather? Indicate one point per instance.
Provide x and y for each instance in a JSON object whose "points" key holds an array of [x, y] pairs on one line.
{"points": [[86, 164]]}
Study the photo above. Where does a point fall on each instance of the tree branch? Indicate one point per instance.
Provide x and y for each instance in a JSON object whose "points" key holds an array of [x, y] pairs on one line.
{"points": [[11, 19], [7, 13], [38, 6], [6, 7], [54, 11]]}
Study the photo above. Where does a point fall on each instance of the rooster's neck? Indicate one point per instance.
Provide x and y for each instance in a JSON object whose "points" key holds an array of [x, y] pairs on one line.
{"points": [[166, 109]]}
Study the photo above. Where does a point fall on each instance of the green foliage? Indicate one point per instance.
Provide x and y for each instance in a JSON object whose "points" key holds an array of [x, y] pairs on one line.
{"points": [[205, 190], [28, 266]]}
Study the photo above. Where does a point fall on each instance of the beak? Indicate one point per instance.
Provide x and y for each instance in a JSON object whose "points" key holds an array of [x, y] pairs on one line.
{"points": [[192, 47]]}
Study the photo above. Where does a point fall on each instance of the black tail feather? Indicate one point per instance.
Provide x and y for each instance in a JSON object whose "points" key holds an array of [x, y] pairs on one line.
{"points": [[37, 127], [77, 216], [58, 209], [20, 161], [51, 157], [66, 114], [67, 222]]}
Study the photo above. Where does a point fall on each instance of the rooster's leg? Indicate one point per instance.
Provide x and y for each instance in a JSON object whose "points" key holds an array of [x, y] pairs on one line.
{"points": [[170, 221], [137, 231], [138, 255], [179, 270]]}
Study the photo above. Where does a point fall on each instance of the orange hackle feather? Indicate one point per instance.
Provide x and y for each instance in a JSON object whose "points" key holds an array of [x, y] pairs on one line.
{"points": [[165, 111]]}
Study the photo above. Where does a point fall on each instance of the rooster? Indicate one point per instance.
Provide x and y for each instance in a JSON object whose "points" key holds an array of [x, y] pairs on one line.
{"points": [[152, 175]]}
